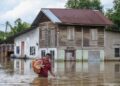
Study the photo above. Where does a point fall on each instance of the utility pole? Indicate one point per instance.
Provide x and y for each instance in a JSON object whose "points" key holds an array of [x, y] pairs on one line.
{"points": [[82, 44]]}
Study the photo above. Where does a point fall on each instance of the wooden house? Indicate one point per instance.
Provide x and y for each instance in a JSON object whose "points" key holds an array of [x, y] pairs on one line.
{"points": [[68, 34]]}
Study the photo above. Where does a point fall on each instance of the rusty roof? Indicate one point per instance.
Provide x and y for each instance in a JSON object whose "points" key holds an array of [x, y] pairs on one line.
{"points": [[73, 17], [81, 16]]}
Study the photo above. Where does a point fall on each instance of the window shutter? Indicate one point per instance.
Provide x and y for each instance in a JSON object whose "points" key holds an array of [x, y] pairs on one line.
{"points": [[94, 34], [71, 33]]}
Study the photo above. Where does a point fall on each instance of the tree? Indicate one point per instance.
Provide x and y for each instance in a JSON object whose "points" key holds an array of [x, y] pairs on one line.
{"points": [[20, 26], [96, 5], [114, 14], [16, 28], [116, 5], [84, 4], [1, 36]]}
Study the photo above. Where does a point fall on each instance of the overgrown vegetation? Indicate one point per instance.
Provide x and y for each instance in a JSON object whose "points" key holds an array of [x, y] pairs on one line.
{"points": [[85, 4], [114, 15], [18, 26]]}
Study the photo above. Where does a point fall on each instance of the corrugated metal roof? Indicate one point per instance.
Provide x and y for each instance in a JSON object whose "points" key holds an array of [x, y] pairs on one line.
{"points": [[74, 17], [81, 17]]}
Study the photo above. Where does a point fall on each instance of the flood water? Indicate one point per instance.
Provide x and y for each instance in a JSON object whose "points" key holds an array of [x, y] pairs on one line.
{"points": [[16, 72]]}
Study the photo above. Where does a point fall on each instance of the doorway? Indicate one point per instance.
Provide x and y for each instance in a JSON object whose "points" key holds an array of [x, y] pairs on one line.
{"points": [[94, 56], [22, 48], [70, 55]]}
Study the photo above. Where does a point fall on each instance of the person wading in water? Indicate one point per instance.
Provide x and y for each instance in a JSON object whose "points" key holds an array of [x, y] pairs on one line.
{"points": [[46, 66]]}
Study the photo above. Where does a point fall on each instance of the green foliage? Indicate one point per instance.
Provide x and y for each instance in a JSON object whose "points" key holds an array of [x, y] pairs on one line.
{"points": [[18, 26], [116, 5], [2, 36], [96, 4], [114, 14], [84, 4]]}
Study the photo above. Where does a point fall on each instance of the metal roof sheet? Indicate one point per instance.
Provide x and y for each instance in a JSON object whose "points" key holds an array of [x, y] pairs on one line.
{"points": [[51, 16], [81, 16]]}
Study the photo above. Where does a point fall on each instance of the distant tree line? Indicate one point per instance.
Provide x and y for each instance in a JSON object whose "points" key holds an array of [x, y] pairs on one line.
{"points": [[84, 4], [114, 14]]}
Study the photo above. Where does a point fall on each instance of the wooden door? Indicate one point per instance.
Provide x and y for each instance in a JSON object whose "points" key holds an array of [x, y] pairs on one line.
{"points": [[22, 48], [94, 56], [70, 55]]}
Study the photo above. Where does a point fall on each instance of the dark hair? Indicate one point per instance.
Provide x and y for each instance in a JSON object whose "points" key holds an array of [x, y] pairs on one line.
{"points": [[50, 56]]}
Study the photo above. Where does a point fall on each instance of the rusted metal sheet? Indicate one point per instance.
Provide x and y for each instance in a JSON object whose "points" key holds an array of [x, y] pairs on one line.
{"points": [[81, 17]]}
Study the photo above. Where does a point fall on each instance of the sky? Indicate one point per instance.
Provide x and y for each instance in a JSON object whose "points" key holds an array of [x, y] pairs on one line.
{"points": [[27, 10]]}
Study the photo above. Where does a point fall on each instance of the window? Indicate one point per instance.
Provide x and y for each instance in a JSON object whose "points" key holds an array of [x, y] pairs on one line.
{"points": [[52, 52], [43, 53], [94, 34], [17, 50], [43, 34], [71, 33], [52, 37], [117, 52], [32, 50]]}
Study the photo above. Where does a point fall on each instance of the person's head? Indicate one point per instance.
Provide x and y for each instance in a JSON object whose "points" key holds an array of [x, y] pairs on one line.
{"points": [[48, 55]]}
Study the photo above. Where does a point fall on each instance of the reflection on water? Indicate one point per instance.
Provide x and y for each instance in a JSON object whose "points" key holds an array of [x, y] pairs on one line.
{"points": [[40, 82], [23, 67], [17, 72]]}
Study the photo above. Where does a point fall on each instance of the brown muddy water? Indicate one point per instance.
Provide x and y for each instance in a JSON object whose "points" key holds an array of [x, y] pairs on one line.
{"points": [[19, 73]]}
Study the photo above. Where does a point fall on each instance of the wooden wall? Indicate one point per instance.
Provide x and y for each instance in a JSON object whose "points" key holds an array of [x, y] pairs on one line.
{"points": [[47, 35], [101, 37], [78, 36], [63, 39], [87, 41], [62, 36], [87, 37]]}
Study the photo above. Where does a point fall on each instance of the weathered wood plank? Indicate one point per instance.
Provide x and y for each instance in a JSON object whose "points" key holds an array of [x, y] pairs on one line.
{"points": [[86, 37], [78, 36], [47, 35], [101, 37], [62, 36]]}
